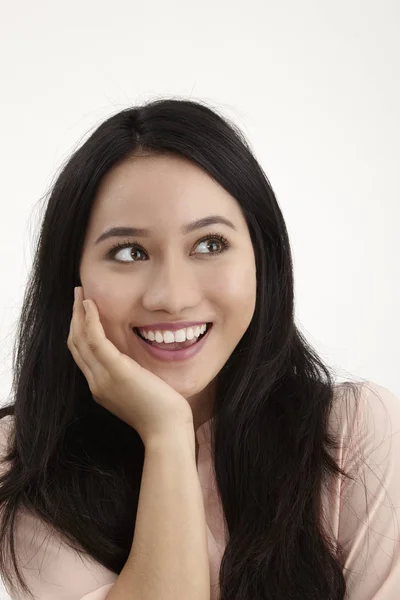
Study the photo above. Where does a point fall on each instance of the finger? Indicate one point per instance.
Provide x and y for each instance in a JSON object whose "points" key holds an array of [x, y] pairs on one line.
{"points": [[101, 350], [101, 356], [78, 314], [78, 360], [78, 331]]}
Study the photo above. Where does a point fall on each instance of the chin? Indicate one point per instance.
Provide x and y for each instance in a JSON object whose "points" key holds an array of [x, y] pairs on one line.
{"points": [[185, 386]]}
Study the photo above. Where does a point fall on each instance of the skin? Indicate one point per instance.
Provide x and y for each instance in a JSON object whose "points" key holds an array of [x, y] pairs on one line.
{"points": [[177, 276]]}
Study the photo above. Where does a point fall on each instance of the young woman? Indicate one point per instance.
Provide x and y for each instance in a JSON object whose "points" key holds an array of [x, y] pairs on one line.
{"points": [[176, 437]]}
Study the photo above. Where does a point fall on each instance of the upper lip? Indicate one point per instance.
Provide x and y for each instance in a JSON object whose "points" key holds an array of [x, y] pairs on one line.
{"points": [[171, 326]]}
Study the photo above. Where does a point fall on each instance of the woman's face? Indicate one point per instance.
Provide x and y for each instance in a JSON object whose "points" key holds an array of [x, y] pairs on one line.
{"points": [[174, 275]]}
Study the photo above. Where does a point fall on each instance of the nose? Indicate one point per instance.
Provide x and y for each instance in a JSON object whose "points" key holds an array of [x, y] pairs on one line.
{"points": [[172, 287]]}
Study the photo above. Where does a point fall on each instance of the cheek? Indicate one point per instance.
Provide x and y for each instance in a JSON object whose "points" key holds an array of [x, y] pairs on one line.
{"points": [[234, 291], [112, 304], [103, 295]]}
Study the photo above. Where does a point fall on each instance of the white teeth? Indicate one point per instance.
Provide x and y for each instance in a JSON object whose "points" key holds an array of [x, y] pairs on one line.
{"points": [[168, 337]]}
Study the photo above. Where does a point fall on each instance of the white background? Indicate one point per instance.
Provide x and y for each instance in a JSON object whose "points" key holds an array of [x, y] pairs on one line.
{"points": [[313, 84]]}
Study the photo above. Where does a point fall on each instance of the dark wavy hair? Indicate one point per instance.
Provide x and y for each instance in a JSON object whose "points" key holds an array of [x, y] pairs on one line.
{"points": [[271, 447]]}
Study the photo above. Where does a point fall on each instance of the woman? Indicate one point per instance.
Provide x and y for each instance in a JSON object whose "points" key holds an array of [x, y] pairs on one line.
{"points": [[244, 471]]}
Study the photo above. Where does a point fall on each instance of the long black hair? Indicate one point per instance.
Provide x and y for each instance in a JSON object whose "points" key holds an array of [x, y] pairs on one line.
{"points": [[271, 448]]}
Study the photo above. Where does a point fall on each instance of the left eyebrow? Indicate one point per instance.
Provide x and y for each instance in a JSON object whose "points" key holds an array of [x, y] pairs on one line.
{"points": [[138, 232]]}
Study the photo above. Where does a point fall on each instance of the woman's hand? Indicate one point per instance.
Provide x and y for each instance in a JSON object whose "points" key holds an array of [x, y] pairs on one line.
{"points": [[120, 384]]}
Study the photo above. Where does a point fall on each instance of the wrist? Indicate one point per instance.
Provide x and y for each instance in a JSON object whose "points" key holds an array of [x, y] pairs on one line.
{"points": [[181, 437]]}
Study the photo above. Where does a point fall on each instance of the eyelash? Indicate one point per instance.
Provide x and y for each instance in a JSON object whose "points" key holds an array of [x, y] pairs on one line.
{"points": [[121, 245]]}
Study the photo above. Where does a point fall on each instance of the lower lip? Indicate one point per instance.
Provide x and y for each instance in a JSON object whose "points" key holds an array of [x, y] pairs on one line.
{"points": [[174, 355]]}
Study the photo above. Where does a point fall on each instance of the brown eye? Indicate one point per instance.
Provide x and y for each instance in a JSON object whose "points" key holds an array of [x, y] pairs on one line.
{"points": [[214, 240], [118, 249]]}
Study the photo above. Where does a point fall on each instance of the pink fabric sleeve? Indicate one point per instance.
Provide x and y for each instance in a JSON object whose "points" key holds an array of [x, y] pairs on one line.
{"points": [[51, 569], [369, 511]]}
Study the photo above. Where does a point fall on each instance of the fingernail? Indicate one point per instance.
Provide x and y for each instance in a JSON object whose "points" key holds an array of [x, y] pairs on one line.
{"points": [[76, 293], [85, 305]]}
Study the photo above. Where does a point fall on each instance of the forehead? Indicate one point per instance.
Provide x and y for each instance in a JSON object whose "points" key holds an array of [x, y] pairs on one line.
{"points": [[157, 190]]}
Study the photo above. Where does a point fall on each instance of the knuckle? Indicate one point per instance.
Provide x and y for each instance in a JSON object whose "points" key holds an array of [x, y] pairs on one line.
{"points": [[95, 391], [72, 335], [92, 384], [93, 345]]}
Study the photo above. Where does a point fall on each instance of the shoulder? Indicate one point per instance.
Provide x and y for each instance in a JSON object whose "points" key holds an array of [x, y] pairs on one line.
{"points": [[367, 505], [363, 416], [50, 566], [365, 420], [378, 413]]}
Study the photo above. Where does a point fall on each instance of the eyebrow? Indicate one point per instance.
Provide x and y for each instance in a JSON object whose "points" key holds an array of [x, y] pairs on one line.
{"points": [[139, 232]]}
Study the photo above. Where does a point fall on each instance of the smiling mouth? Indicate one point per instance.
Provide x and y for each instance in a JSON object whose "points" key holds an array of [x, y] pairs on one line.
{"points": [[174, 345]]}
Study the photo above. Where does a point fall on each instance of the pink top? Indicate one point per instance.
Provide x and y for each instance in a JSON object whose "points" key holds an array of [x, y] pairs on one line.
{"points": [[371, 541]]}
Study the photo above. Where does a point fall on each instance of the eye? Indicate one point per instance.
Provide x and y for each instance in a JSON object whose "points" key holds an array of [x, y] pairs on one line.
{"points": [[223, 243], [130, 248], [119, 247]]}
